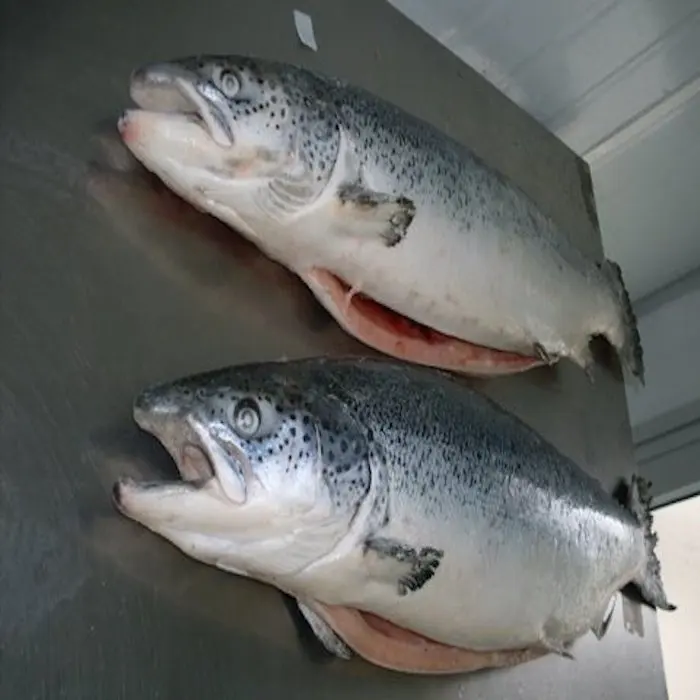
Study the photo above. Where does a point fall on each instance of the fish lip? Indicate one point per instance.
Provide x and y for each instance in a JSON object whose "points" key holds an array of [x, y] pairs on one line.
{"points": [[170, 89]]}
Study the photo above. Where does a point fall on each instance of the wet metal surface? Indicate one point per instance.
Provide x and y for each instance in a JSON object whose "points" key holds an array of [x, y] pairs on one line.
{"points": [[109, 282]]}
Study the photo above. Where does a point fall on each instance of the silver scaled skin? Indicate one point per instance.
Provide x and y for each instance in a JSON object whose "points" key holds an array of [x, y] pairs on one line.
{"points": [[325, 177], [393, 489]]}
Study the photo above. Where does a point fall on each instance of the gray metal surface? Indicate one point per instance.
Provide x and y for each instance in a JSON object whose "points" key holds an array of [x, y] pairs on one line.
{"points": [[108, 282]]}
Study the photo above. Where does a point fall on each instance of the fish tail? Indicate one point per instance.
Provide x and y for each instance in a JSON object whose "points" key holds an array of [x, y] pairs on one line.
{"points": [[629, 344], [647, 587]]}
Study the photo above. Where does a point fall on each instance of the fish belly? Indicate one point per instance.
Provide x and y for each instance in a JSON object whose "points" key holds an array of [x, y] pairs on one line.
{"points": [[498, 587], [505, 294]]}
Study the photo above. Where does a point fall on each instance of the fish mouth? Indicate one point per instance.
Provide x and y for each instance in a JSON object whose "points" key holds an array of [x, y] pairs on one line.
{"points": [[178, 436], [194, 465], [202, 456], [168, 89]]}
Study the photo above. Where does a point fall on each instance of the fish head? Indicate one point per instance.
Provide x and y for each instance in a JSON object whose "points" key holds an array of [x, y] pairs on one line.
{"points": [[261, 493], [199, 113], [214, 128]]}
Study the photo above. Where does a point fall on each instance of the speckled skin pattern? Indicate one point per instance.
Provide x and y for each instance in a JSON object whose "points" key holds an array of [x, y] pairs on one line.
{"points": [[479, 260], [526, 547]]}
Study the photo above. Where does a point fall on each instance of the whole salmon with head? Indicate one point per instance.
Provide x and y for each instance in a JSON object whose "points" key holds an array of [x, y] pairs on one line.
{"points": [[416, 523], [414, 245]]}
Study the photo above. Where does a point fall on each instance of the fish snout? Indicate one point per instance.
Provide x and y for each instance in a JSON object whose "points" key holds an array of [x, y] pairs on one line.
{"points": [[155, 87], [152, 411], [127, 128]]}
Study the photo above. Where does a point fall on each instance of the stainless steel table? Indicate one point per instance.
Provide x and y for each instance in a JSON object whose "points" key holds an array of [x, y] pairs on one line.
{"points": [[108, 282]]}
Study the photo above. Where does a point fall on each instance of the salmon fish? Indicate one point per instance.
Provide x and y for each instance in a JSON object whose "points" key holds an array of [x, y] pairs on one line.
{"points": [[416, 523], [415, 246]]}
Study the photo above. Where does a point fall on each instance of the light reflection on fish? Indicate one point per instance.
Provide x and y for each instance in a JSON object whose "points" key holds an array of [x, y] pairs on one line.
{"points": [[414, 245], [417, 523]]}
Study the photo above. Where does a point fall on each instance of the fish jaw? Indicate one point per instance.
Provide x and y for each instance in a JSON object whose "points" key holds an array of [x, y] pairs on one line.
{"points": [[396, 335]]}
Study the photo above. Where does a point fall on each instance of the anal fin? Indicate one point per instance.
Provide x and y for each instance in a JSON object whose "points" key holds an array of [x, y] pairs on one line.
{"points": [[601, 625], [400, 564], [554, 647], [377, 214], [547, 358], [553, 643]]}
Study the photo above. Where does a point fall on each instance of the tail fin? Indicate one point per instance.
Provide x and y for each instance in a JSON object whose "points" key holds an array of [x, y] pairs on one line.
{"points": [[630, 347], [647, 588]]}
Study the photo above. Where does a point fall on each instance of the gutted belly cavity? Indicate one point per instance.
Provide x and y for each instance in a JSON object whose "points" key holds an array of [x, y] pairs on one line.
{"points": [[385, 644], [398, 336]]}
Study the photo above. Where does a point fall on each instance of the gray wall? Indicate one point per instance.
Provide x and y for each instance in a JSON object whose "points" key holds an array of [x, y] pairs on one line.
{"points": [[666, 413], [108, 284]]}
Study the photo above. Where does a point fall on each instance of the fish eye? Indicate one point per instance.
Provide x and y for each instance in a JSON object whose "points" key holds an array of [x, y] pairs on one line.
{"points": [[229, 84], [247, 418]]}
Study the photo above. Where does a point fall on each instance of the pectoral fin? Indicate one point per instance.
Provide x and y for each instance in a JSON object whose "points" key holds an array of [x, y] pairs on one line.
{"points": [[375, 213], [406, 567]]}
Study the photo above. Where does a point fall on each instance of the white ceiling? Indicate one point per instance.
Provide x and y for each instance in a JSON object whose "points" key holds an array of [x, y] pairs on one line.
{"points": [[619, 82]]}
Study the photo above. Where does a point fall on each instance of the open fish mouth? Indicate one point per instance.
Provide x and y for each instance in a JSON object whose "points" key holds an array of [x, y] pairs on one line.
{"points": [[204, 458], [195, 465], [172, 89]]}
